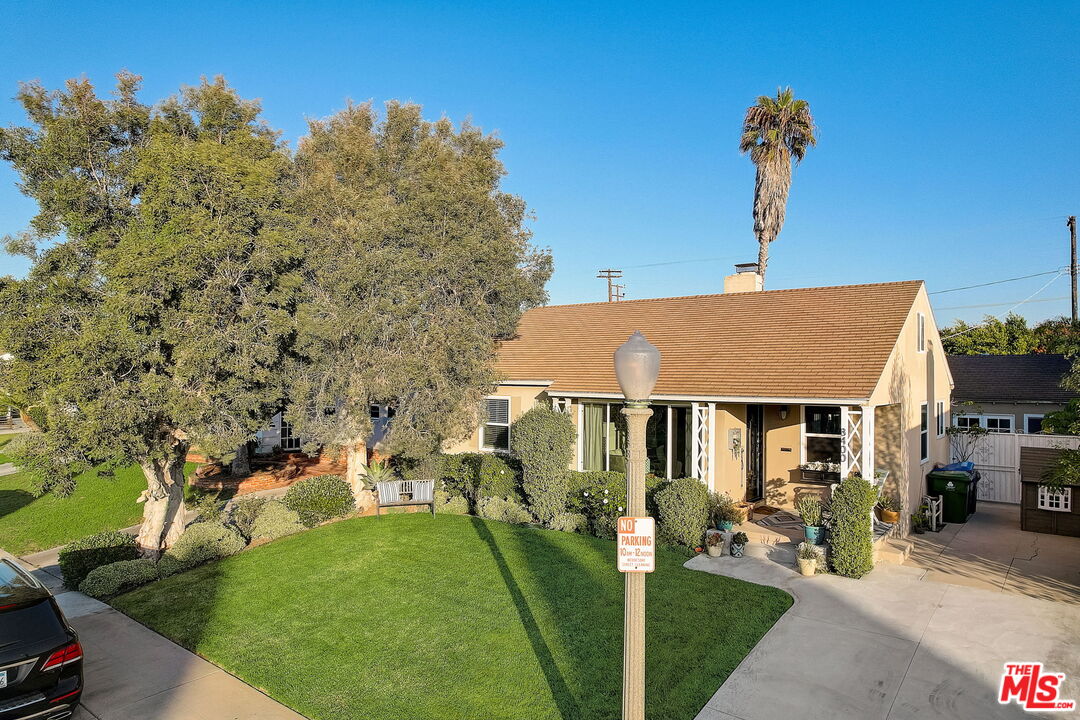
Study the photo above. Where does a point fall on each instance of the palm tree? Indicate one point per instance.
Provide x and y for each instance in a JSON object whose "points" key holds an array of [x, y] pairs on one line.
{"points": [[776, 131]]}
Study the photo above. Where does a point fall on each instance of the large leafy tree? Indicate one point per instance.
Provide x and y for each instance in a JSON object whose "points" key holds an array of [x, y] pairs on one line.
{"points": [[992, 336], [165, 266], [417, 263], [777, 133]]}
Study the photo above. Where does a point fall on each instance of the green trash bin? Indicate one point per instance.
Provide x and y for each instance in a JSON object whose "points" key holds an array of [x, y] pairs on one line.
{"points": [[956, 489]]}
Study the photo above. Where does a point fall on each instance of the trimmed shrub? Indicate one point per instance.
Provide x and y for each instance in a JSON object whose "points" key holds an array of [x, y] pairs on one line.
{"points": [[851, 539], [603, 526], [683, 507], [319, 499], [85, 554], [275, 520], [200, 543], [543, 440], [244, 511], [505, 510], [569, 522], [450, 504], [473, 476], [118, 577], [496, 476], [589, 490]]}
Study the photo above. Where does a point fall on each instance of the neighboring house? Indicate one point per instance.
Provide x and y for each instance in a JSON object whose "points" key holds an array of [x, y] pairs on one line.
{"points": [[752, 384], [1008, 393], [278, 435]]}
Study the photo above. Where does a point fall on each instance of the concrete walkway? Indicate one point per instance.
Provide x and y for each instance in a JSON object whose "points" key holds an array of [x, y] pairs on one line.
{"points": [[991, 552], [132, 673], [889, 646]]}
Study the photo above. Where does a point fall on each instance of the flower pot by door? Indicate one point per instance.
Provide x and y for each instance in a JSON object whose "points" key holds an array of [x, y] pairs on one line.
{"points": [[724, 525], [807, 567], [890, 516], [812, 533], [737, 549], [714, 550]]}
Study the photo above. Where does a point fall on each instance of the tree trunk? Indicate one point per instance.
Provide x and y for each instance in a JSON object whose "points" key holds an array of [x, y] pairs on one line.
{"points": [[241, 464], [355, 468], [163, 511], [762, 259]]}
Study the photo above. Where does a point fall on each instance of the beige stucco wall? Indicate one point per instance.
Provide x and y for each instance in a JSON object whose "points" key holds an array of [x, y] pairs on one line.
{"points": [[910, 379], [521, 399]]}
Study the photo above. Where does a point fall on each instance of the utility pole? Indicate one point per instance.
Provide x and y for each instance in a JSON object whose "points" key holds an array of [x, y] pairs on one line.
{"points": [[612, 289], [1072, 265], [617, 293]]}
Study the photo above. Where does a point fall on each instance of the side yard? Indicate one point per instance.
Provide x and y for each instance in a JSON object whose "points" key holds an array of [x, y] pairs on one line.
{"points": [[407, 616]]}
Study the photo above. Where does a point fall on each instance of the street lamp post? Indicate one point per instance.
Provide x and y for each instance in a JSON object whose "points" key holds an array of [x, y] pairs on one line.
{"points": [[637, 365]]}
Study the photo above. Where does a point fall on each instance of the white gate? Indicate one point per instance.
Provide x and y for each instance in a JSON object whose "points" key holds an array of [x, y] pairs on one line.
{"points": [[998, 459]]}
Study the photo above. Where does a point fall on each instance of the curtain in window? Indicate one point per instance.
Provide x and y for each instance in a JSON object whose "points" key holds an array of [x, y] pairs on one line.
{"points": [[592, 437]]}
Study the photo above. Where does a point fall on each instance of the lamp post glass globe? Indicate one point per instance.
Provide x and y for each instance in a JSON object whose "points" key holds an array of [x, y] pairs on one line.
{"points": [[637, 365]]}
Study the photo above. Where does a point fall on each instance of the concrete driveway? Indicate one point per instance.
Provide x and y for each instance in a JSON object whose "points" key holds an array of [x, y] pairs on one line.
{"points": [[889, 646]]}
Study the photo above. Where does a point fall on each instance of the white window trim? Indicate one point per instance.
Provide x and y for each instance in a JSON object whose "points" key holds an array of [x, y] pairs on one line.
{"points": [[920, 332], [1031, 415], [941, 417], [803, 434], [924, 412], [509, 421], [1064, 498], [982, 418]]}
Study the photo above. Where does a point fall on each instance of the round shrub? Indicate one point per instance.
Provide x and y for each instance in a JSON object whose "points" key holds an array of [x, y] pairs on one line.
{"points": [[543, 440], [274, 521], [450, 504], [83, 555], [244, 511], [319, 499], [200, 543], [495, 476], [683, 507], [851, 539], [569, 522], [505, 510], [118, 577]]}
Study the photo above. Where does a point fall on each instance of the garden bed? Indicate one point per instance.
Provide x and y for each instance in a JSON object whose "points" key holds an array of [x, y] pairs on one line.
{"points": [[407, 616]]}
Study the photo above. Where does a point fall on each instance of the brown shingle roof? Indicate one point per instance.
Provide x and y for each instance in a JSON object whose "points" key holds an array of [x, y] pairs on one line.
{"points": [[1010, 378], [829, 342]]}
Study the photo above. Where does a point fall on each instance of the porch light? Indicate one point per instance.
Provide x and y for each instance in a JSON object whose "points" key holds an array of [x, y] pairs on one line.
{"points": [[637, 365], [783, 412]]}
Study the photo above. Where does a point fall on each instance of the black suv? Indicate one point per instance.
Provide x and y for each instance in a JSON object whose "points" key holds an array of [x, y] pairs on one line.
{"points": [[41, 673]]}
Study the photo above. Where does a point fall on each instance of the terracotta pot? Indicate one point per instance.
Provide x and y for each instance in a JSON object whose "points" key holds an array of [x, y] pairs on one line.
{"points": [[744, 509], [807, 567], [889, 516]]}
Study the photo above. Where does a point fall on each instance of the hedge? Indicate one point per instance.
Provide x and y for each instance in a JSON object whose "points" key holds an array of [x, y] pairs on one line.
{"points": [[244, 512], [200, 543], [275, 520], [82, 556], [851, 538], [683, 507], [543, 441], [118, 577], [450, 504], [505, 510], [319, 499]]}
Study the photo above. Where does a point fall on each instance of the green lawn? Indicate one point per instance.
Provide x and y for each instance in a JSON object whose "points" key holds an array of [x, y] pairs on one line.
{"points": [[406, 616], [29, 523]]}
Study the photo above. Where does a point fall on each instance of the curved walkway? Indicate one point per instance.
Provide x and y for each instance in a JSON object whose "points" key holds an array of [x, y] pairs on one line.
{"points": [[889, 646]]}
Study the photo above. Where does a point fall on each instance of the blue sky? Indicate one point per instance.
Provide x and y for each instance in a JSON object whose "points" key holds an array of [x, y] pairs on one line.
{"points": [[948, 142]]}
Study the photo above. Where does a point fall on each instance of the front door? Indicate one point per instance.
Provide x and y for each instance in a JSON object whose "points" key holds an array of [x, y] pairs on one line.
{"points": [[755, 454]]}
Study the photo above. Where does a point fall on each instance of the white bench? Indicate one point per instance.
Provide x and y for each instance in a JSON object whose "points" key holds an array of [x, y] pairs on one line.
{"points": [[390, 493]]}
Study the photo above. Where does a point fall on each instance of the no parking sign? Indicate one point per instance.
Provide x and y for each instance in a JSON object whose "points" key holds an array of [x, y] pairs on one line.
{"points": [[636, 544]]}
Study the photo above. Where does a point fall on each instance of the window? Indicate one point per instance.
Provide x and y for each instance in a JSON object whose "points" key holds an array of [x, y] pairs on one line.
{"points": [[289, 442], [924, 432], [920, 333], [375, 411], [1033, 423], [993, 423], [495, 432], [822, 432], [941, 418], [1060, 501]]}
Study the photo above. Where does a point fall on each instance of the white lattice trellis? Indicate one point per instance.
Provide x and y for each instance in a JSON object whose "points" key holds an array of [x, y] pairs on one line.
{"points": [[701, 449]]}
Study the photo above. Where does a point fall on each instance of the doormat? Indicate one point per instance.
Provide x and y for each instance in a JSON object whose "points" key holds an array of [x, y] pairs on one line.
{"points": [[781, 518]]}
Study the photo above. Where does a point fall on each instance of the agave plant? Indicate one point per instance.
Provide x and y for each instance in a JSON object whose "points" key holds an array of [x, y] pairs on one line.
{"points": [[378, 472]]}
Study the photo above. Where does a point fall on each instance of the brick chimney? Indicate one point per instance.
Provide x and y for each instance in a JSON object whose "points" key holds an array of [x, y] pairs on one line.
{"points": [[745, 279]]}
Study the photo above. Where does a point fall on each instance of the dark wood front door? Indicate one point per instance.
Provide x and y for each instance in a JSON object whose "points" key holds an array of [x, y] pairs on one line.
{"points": [[755, 453]]}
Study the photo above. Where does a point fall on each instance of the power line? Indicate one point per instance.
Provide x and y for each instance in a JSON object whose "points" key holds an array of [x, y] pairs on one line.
{"points": [[1001, 304], [998, 282], [1025, 300]]}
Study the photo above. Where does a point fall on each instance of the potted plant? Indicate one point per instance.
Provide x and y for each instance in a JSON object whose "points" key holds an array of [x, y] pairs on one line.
{"points": [[810, 509], [714, 544], [808, 555], [822, 473], [920, 520], [724, 512], [889, 509], [738, 544]]}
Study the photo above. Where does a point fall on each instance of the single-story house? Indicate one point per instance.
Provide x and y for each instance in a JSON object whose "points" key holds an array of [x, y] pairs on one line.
{"points": [[753, 384], [1008, 393]]}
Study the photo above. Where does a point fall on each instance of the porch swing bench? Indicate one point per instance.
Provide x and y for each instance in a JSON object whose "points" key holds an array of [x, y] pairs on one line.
{"points": [[401, 493]]}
